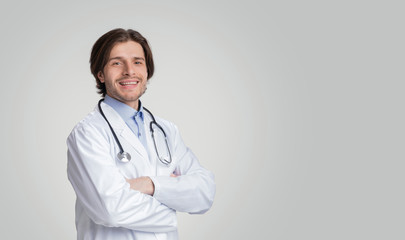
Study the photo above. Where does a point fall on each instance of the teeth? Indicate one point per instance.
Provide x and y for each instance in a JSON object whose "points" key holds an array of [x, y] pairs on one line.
{"points": [[128, 83]]}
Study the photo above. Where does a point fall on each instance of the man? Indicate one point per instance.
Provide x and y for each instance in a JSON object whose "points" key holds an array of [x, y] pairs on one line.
{"points": [[130, 170]]}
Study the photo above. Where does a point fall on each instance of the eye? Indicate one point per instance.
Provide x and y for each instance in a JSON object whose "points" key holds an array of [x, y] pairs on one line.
{"points": [[116, 63], [138, 62]]}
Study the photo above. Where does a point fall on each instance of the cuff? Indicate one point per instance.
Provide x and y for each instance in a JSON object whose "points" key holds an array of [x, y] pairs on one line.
{"points": [[157, 186]]}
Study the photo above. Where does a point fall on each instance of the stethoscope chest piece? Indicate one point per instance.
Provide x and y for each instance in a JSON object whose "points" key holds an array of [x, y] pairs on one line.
{"points": [[124, 157]]}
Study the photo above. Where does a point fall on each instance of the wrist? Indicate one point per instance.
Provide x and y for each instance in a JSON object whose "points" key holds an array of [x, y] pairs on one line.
{"points": [[152, 184]]}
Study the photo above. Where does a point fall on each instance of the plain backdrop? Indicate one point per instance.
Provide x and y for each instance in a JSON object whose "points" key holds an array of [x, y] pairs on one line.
{"points": [[296, 106]]}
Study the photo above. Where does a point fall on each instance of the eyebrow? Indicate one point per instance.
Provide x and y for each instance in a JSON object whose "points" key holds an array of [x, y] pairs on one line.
{"points": [[121, 58]]}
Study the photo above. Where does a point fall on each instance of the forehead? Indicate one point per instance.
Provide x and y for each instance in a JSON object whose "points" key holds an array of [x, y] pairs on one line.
{"points": [[127, 49]]}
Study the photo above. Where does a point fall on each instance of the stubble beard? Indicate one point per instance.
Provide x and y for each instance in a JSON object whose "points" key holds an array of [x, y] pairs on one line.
{"points": [[125, 99]]}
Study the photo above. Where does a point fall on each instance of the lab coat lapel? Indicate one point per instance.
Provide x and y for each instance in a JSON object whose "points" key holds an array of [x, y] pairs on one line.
{"points": [[128, 135], [122, 130]]}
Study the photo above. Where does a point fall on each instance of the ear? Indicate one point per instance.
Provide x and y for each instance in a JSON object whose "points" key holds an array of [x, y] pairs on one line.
{"points": [[100, 76]]}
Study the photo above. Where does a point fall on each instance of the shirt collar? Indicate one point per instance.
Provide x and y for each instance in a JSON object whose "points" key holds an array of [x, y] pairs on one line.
{"points": [[126, 112]]}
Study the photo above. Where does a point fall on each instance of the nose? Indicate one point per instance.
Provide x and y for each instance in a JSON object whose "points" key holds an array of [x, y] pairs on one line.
{"points": [[129, 69]]}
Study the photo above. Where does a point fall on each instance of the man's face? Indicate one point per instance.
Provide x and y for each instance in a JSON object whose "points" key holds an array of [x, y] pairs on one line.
{"points": [[125, 74]]}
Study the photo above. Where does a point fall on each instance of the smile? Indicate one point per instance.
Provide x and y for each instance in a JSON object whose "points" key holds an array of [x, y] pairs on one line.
{"points": [[129, 83]]}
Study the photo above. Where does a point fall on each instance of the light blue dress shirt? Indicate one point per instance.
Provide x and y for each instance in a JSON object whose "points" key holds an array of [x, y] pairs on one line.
{"points": [[134, 119]]}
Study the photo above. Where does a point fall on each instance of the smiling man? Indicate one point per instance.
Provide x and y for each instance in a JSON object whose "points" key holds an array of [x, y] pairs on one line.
{"points": [[131, 170], [125, 74]]}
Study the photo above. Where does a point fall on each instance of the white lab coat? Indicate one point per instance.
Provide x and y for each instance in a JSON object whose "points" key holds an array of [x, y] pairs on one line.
{"points": [[106, 207]]}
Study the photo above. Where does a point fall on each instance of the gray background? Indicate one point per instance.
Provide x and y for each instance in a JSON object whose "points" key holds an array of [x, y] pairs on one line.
{"points": [[296, 106]]}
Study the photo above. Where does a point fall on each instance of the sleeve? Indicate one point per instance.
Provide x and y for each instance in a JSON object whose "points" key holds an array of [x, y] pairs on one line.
{"points": [[193, 190], [103, 190]]}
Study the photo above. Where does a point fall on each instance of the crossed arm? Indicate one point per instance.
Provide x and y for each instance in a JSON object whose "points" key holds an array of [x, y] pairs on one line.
{"points": [[150, 203], [143, 184], [191, 188]]}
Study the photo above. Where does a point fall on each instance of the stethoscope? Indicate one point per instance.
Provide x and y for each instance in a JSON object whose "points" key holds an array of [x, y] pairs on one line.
{"points": [[126, 157]]}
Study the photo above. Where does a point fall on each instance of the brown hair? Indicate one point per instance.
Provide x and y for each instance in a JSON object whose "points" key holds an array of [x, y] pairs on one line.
{"points": [[102, 48]]}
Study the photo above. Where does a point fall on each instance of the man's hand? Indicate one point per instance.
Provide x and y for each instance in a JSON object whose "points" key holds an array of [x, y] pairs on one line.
{"points": [[142, 184]]}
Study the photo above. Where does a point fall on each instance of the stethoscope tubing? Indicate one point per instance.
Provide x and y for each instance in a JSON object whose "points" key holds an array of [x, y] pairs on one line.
{"points": [[126, 157], [112, 130]]}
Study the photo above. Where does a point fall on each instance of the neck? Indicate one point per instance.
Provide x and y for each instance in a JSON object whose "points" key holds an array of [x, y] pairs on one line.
{"points": [[132, 103]]}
